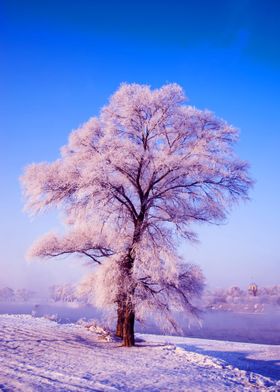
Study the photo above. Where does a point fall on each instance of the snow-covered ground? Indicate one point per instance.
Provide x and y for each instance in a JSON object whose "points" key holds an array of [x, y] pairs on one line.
{"points": [[37, 354]]}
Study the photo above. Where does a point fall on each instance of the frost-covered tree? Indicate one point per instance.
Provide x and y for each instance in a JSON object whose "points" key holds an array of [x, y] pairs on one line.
{"points": [[234, 291], [131, 183], [63, 293], [24, 295], [7, 294]]}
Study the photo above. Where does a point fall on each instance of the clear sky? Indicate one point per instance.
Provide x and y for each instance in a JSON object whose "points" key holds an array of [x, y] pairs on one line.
{"points": [[61, 60]]}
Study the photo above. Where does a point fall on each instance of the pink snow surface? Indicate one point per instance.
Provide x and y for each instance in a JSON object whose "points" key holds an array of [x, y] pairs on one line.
{"points": [[37, 354]]}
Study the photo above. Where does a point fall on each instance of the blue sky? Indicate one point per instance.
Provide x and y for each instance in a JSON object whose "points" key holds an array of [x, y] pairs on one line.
{"points": [[61, 60]]}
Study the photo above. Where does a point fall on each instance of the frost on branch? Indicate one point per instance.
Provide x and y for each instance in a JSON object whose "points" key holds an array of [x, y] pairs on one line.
{"points": [[101, 287], [83, 241], [131, 183]]}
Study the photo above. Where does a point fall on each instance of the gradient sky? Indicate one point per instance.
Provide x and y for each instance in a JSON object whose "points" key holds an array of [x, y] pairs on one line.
{"points": [[61, 60]]}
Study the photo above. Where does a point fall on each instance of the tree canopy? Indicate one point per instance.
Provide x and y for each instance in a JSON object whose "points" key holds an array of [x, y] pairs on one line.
{"points": [[131, 183]]}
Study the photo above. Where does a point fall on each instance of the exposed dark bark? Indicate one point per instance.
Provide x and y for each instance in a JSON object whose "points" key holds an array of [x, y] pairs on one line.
{"points": [[128, 308], [120, 320], [125, 309], [128, 326]]}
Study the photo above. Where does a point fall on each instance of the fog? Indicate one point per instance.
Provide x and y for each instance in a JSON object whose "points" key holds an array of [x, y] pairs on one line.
{"points": [[261, 328], [40, 275], [233, 314]]}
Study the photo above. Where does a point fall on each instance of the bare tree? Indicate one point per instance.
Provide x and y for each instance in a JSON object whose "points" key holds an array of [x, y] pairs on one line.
{"points": [[131, 182]]}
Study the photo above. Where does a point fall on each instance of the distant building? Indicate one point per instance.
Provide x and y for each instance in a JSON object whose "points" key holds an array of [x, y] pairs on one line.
{"points": [[253, 289]]}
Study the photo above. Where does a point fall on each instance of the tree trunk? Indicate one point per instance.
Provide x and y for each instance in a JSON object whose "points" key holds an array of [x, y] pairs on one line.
{"points": [[128, 326], [120, 321], [126, 311]]}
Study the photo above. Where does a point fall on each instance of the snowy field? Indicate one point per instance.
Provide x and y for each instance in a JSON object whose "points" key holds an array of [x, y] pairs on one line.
{"points": [[40, 355]]}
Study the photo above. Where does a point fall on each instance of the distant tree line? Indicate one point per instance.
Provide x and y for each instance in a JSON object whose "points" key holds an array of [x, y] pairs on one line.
{"points": [[7, 294]]}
